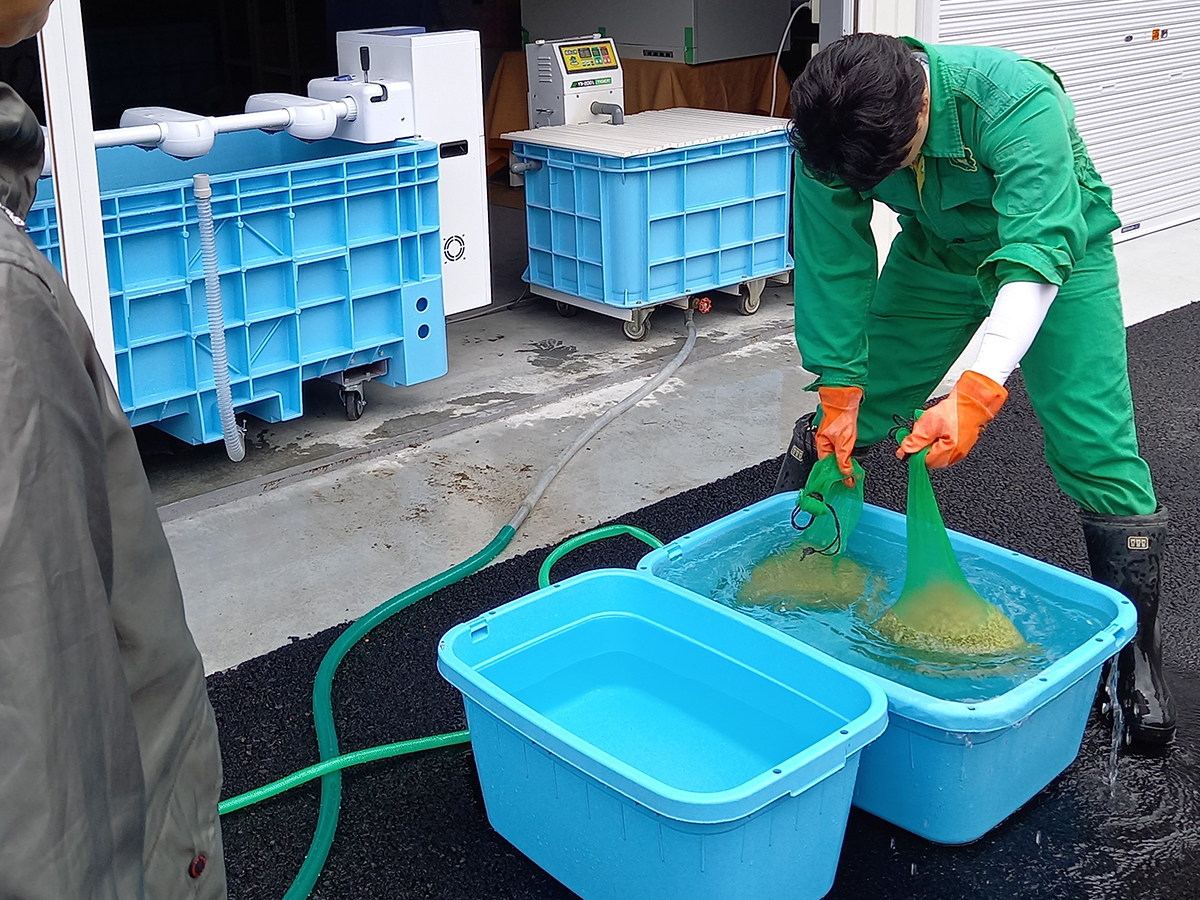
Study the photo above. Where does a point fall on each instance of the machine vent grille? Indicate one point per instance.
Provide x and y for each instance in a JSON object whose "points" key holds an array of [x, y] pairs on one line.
{"points": [[545, 71]]}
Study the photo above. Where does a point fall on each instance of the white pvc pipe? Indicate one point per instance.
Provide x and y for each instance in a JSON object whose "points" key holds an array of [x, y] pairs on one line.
{"points": [[139, 134], [268, 119]]}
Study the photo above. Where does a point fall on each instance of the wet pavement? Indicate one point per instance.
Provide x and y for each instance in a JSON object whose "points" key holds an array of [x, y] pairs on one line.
{"points": [[503, 360]]}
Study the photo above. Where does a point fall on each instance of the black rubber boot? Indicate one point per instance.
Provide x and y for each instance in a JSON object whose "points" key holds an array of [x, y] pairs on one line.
{"points": [[800, 458], [1125, 553]]}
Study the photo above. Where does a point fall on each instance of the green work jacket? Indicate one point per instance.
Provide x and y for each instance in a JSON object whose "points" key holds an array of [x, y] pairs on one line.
{"points": [[1009, 194]]}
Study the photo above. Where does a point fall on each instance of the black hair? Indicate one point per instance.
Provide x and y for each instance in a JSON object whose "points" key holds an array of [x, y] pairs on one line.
{"points": [[855, 108]]}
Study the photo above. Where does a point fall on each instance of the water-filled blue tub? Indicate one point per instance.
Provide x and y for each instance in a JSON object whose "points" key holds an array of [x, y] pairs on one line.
{"points": [[946, 769], [636, 740]]}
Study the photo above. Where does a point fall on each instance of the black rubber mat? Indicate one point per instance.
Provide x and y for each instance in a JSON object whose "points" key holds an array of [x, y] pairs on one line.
{"points": [[415, 828]]}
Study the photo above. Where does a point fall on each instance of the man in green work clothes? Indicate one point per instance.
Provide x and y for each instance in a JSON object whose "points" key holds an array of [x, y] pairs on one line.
{"points": [[1003, 217]]}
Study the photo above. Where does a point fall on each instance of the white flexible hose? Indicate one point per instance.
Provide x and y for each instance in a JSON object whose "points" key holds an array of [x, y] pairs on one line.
{"points": [[787, 29], [235, 443], [592, 430]]}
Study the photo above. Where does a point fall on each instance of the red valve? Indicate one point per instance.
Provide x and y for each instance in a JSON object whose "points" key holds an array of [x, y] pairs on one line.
{"points": [[703, 305]]}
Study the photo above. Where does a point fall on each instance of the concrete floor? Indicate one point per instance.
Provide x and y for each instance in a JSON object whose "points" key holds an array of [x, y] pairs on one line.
{"points": [[327, 518]]}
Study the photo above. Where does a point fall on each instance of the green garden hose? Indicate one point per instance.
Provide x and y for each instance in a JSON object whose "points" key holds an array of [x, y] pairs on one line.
{"points": [[327, 743], [596, 534], [345, 761], [331, 761], [418, 745]]}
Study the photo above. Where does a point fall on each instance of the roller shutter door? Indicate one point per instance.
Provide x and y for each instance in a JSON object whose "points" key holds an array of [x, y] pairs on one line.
{"points": [[1133, 70]]}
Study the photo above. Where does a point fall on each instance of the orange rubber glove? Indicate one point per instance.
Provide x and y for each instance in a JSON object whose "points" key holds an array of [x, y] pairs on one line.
{"points": [[838, 431], [951, 427]]}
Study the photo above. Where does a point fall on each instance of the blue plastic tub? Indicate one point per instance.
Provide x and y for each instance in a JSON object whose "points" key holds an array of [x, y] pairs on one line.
{"points": [[641, 230], [945, 770], [330, 259], [635, 740]]}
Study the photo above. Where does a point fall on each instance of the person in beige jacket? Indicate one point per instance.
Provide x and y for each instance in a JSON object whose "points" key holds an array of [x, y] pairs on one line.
{"points": [[109, 766]]}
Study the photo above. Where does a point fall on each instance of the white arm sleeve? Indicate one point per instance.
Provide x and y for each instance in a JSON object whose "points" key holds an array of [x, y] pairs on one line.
{"points": [[1018, 313]]}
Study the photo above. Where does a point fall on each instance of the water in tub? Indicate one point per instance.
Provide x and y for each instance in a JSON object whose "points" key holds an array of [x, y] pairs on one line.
{"points": [[835, 603]]}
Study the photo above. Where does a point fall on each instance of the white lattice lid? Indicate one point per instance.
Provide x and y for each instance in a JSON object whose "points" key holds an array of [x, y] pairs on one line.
{"points": [[651, 132]]}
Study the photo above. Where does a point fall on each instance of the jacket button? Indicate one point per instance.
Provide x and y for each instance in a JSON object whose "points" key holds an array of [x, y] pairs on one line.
{"points": [[196, 869]]}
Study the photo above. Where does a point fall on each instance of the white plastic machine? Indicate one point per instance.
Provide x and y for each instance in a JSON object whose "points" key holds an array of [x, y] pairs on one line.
{"points": [[445, 72], [394, 83], [567, 77]]}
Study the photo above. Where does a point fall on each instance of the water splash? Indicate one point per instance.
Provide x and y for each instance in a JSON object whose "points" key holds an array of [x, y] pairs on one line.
{"points": [[1150, 824], [1118, 727]]}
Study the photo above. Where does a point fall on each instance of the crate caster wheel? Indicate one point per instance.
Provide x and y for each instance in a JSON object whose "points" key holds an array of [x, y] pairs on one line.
{"points": [[355, 403], [566, 310], [750, 296], [637, 329]]}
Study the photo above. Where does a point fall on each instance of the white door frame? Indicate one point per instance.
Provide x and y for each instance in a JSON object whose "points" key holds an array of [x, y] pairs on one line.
{"points": [[72, 150]]}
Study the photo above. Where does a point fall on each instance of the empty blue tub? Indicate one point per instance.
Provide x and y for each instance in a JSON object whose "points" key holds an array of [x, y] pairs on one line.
{"points": [[945, 770], [637, 741]]}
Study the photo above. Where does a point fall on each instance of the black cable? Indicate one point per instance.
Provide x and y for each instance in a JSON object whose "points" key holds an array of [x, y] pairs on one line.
{"points": [[902, 424], [834, 547], [454, 319]]}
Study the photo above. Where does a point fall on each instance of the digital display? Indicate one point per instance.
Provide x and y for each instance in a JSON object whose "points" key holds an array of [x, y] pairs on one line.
{"points": [[589, 57]]}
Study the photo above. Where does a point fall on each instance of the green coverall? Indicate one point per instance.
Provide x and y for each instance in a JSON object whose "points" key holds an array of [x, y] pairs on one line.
{"points": [[1008, 193]]}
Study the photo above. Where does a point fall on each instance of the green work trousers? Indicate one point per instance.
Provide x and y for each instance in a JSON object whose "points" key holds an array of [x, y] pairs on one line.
{"points": [[926, 308]]}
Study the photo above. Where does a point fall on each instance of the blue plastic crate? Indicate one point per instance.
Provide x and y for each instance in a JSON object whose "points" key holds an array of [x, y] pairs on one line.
{"points": [[640, 230], [635, 740], [945, 770], [330, 259]]}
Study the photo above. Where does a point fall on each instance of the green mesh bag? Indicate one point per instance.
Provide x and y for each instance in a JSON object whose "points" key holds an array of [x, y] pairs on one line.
{"points": [[832, 508], [937, 609], [811, 574]]}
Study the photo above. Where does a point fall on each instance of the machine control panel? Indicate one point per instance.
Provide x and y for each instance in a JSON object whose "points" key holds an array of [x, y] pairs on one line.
{"points": [[591, 57]]}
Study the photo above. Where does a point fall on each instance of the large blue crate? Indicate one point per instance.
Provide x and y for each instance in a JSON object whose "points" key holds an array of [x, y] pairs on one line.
{"points": [[635, 231], [948, 771], [637, 741], [330, 259]]}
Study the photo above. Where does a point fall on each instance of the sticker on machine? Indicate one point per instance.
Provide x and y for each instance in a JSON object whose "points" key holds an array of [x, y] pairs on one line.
{"points": [[590, 82]]}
